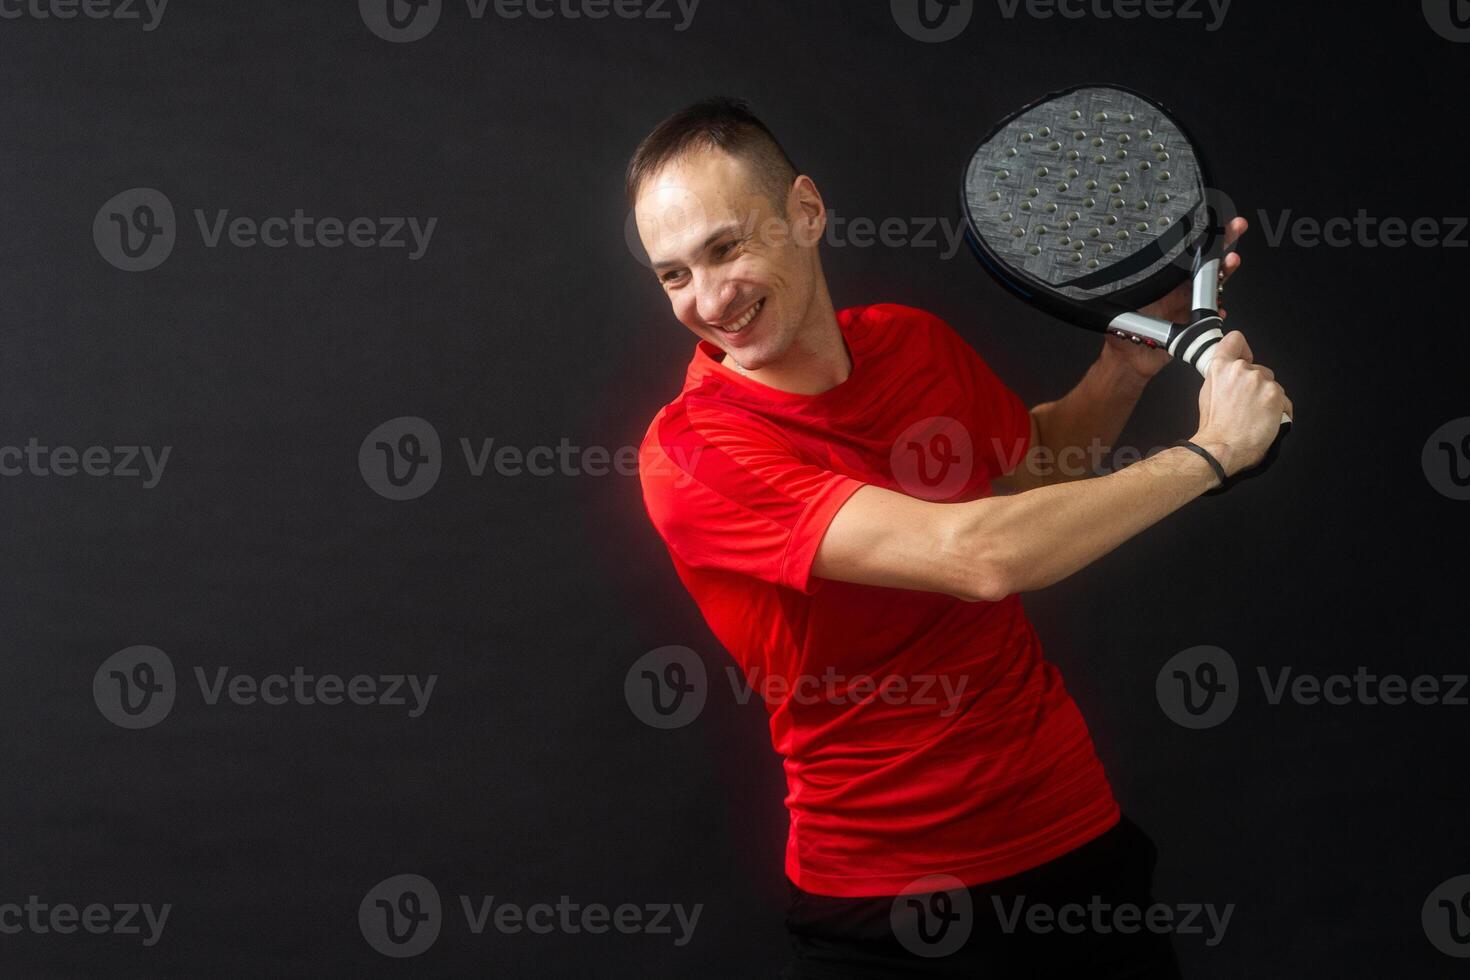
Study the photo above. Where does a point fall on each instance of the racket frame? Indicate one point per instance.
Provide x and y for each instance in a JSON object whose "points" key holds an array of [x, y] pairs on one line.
{"points": [[1117, 313]]}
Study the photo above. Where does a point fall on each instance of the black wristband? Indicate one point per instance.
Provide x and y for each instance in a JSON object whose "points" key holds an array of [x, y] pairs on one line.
{"points": [[1214, 463]]}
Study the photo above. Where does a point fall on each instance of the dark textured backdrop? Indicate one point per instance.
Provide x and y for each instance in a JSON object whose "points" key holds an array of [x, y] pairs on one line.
{"points": [[528, 777]]}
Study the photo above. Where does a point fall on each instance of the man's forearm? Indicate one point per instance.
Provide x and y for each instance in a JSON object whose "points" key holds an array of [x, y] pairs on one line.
{"points": [[1033, 539], [1088, 419]]}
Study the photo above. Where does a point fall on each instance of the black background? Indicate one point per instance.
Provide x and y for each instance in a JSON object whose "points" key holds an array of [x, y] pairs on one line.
{"points": [[529, 321]]}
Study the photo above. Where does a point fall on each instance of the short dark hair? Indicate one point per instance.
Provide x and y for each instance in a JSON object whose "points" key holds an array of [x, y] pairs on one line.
{"points": [[718, 123]]}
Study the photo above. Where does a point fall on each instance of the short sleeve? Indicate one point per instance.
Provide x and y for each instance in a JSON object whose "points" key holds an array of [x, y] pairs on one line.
{"points": [[1000, 421], [725, 492]]}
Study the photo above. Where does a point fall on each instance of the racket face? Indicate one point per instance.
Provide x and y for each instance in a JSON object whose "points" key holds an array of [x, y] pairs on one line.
{"points": [[1091, 195]]}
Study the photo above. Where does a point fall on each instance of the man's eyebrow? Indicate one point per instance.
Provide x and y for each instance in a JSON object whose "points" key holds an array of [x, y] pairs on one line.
{"points": [[714, 236]]}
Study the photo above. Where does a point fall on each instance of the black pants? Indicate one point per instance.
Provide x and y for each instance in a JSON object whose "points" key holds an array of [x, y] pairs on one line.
{"points": [[1025, 926]]}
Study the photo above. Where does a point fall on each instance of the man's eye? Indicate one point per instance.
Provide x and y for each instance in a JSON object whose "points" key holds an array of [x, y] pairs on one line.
{"points": [[725, 249], [671, 276]]}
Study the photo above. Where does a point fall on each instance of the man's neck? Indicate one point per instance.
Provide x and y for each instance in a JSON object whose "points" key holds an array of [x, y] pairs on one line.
{"points": [[817, 361]]}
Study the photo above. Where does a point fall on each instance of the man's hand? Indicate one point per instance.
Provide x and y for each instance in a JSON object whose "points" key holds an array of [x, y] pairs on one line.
{"points": [[1240, 406], [1148, 361]]}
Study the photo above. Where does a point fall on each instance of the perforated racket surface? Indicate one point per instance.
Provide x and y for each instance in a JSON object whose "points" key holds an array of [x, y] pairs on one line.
{"points": [[1093, 192]]}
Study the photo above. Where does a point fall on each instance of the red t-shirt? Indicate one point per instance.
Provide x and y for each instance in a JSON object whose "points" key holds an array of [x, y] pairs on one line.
{"points": [[921, 734]]}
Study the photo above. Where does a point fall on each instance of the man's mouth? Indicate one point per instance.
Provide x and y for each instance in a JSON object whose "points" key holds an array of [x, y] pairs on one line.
{"points": [[739, 324]]}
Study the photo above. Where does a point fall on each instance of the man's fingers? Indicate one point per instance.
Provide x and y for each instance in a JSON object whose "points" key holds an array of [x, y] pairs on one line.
{"points": [[1236, 228], [1234, 348], [1231, 263]]}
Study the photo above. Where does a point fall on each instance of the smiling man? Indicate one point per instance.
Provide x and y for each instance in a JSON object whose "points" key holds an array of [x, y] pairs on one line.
{"points": [[776, 480]]}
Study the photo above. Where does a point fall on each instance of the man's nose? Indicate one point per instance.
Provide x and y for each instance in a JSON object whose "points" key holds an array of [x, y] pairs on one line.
{"points": [[715, 296]]}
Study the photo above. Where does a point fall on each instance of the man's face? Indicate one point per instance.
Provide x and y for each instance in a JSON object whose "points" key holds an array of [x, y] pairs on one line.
{"points": [[738, 272]]}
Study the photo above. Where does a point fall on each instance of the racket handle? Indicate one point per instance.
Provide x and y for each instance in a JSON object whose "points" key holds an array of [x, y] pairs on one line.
{"points": [[1196, 346]]}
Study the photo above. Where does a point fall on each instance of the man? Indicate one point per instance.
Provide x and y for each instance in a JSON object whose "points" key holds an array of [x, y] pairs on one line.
{"points": [[781, 481]]}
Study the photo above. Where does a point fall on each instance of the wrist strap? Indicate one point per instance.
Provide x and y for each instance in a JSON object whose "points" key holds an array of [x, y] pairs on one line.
{"points": [[1208, 458]]}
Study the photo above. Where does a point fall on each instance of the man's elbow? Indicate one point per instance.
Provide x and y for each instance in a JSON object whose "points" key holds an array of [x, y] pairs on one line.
{"points": [[980, 571], [986, 583]]}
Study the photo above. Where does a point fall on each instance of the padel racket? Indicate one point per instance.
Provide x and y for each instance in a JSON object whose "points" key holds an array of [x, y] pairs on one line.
{"points": [[1094, 201]]}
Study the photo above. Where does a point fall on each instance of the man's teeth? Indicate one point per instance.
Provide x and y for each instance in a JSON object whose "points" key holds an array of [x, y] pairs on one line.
{"points": [[740, 324]]}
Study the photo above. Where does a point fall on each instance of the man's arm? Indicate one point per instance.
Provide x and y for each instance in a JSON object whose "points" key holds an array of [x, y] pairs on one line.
{"points": [[1069, 435], [984, 550]]}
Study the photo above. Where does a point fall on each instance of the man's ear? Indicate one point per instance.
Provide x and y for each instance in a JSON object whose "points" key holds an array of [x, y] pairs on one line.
{"points": [[808, 212]]}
